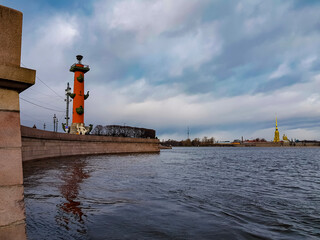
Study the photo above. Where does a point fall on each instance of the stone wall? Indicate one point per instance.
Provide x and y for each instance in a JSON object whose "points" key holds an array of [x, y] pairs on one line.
{"points": [[39, 144]]}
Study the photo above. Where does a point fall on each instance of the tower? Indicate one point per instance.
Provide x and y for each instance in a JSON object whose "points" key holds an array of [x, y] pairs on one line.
{"points": [[78, 96], [276, 133]]}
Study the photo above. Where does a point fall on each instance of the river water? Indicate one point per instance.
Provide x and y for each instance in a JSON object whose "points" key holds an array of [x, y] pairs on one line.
{"points": [[183, 193]]}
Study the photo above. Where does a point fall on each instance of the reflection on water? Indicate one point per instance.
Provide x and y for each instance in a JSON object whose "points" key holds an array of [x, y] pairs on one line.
{"points": [[70, 209], [52, 195]]}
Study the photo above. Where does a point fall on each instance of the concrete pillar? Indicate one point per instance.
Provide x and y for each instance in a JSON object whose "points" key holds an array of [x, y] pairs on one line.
{"points": [[13, 80]]}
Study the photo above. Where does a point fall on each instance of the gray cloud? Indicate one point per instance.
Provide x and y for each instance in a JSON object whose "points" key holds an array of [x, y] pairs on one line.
{"points": [[219, 67]]}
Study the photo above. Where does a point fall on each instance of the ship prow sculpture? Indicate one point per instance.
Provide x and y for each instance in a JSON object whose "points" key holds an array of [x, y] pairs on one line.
{"points": [[78, 96]]}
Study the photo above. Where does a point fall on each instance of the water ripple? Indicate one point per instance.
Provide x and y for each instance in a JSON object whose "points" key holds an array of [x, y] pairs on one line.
{"points": [[183, 193]]}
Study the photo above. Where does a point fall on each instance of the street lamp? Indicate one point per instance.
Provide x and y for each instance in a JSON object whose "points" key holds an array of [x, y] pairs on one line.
{"points": [[54, 122], [67, 100]]}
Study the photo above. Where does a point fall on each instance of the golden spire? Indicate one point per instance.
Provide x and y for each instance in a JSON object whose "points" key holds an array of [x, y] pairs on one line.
{"points": [[276, 132]]}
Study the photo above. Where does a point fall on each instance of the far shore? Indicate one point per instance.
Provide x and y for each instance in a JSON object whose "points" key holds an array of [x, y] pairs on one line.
{"points": [[256, 144]]}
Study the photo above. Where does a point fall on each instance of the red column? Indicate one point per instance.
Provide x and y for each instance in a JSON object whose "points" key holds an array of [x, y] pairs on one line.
{"points": [[78, 91]]}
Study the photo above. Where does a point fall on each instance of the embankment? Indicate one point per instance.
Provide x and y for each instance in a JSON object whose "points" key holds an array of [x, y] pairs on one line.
{"points": [[39, 144]]}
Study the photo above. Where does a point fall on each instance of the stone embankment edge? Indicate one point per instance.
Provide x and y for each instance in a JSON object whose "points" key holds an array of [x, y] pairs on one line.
{"points": [[39, 144]]}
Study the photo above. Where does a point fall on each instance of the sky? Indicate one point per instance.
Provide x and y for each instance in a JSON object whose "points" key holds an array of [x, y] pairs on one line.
{"points": [[223, 69]]}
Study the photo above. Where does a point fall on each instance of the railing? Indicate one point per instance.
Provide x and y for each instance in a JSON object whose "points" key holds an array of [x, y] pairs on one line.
{"points": [[84, 66]]}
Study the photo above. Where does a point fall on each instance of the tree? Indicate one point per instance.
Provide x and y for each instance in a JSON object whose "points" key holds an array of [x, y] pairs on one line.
{"points": [[196, 142], [97, 130], [211, 140], [186, 142]]}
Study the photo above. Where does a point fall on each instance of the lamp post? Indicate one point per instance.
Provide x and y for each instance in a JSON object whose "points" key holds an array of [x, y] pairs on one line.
{"points": [[68, 100], [54, 122]]}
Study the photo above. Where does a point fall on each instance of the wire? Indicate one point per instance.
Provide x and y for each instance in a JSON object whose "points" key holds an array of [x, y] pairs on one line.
{"points": [[39, 92], [31, 117], [27, 118], [50, 88], [36, 100], [46, 85], [40, 105], [45, 94]]}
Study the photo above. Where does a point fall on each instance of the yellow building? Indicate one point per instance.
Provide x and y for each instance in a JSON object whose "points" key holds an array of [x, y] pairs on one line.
{"points": [[276, 133]]}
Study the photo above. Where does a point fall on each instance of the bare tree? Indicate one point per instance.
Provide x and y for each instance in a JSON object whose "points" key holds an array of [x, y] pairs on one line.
{"points": [[124, 131], [97, 130]]}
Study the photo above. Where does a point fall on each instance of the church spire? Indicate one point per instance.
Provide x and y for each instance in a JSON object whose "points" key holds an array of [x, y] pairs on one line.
{"points": [[276, 132]]}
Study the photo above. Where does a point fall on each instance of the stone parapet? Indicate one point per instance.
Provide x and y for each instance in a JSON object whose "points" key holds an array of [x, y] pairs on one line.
{"points": [[19, 79]]}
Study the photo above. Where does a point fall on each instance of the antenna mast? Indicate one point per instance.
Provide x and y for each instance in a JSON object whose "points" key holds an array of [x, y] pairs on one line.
{"points": [[188, 132]]}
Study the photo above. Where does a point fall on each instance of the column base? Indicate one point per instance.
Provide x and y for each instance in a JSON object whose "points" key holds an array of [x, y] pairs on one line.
{"points": [[80, 129]]}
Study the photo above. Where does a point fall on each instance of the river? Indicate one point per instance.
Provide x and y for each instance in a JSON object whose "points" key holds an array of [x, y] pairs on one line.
{"points": [[183, 193]]}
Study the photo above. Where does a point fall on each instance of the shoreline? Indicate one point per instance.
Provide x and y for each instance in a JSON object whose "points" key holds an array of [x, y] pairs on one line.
{"points": [[251, 145]]}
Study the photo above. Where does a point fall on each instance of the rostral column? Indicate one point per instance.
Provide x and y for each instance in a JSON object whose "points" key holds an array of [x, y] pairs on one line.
{"points": [[78, 97]]}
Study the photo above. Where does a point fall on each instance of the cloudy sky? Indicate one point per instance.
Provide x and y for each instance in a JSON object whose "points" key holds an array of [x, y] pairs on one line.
{"points": [[221, 68]]}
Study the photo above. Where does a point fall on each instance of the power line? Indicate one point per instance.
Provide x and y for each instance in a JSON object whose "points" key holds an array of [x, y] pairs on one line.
{"points": [[25, 117], [39, 92], [46, 85], [36, 100], [31, 120], [40, 105], [50, 88], [29, 116]]}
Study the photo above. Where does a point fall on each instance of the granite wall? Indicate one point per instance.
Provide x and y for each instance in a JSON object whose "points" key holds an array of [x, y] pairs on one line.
{"points": [[39, 144], [13, 80]]}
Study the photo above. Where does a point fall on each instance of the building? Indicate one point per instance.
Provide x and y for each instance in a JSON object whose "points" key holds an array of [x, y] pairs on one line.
{"points": [[276, 133]]}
